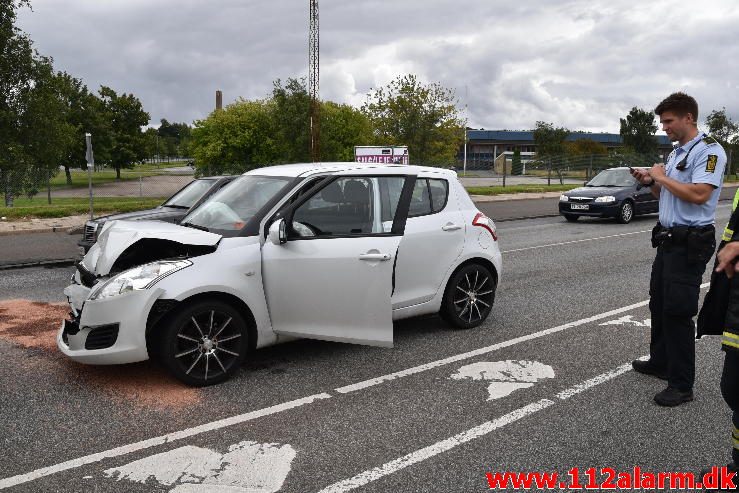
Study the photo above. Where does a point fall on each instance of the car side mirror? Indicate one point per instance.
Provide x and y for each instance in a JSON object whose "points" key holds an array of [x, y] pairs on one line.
{"points": [[278, 232]]}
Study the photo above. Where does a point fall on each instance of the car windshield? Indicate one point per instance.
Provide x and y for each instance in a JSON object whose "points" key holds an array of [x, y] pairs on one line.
{"points": [[235, 204], [612, 178], [186, 198]]}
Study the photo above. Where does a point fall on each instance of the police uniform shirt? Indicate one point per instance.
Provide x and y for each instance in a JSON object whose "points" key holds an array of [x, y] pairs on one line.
{"points": [[705, 164]]}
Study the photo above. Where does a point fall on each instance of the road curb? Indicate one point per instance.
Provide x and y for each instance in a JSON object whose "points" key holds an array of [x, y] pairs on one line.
{"points": [[39, 263], [60, 229]]}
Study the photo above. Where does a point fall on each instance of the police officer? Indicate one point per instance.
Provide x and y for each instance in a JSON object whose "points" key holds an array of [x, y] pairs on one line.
{"points": [[688, 189]]}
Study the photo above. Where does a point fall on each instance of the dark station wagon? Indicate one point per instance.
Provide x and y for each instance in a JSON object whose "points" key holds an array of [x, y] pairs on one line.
{"points": [[172, 210], [611, 193]]}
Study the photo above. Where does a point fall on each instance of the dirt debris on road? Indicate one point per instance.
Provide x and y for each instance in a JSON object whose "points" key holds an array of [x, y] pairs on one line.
{"points": [[33, 326]]}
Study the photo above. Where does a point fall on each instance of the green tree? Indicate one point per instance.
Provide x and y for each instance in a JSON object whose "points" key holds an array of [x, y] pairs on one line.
{"points": [[46, 132], [126, 116], [423, 117], [84, 112], [238, 138], [16, 73], [342, 128], [292, 116], [726, 131], [516, 165], [637, 131], [721, 126], [549, 140], [585, 147]]}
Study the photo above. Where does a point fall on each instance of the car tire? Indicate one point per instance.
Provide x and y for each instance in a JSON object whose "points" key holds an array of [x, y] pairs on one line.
{"points": [[469, 296], [625, 212], [571, 218], [204, 343]]}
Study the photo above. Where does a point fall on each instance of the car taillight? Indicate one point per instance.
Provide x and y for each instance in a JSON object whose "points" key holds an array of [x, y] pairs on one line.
{"points": [[484, 221]]}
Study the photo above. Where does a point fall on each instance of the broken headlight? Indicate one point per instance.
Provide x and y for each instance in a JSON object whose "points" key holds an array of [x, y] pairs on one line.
{"points": [[141, 277]]}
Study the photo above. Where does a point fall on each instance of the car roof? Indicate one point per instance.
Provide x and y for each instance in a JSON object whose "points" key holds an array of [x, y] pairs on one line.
{"points": [[307, 169]]}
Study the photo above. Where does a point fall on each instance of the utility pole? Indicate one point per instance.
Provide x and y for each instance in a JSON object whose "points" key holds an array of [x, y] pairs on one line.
{"points": [[313, 79]]}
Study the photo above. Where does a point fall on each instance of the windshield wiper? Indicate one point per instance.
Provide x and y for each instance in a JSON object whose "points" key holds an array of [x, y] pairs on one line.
{"points": [[195, 226], [175, 206]]}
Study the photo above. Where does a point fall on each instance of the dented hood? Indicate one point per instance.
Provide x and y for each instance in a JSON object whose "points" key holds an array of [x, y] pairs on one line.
{"points": [[117, 236]]}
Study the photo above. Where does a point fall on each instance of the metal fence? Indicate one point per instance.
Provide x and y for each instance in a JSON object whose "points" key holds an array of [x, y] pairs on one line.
{"points": [[555, 169]]}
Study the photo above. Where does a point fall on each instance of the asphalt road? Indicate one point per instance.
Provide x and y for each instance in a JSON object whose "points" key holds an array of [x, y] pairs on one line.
{"points": [[541, 386], [30, 248]]}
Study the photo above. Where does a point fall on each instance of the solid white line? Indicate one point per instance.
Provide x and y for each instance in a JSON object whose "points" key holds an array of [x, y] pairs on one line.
{"points": [[435, 449], [582, 387], [160, 440], [421, 455], [576, 241]]}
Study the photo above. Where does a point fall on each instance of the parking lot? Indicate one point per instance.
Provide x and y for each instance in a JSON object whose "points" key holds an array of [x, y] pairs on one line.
{"points": [[544, 385]]}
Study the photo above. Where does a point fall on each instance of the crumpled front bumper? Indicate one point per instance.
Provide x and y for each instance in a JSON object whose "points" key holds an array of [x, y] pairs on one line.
{"points": [[118, 323]]}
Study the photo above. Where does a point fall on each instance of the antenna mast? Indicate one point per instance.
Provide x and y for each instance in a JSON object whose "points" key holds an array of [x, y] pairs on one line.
{"points": [[313, 79]]}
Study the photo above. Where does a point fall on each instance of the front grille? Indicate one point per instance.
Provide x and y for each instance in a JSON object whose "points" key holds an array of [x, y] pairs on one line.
{"points": [[89, 234], [581, 200], [102, 337]]}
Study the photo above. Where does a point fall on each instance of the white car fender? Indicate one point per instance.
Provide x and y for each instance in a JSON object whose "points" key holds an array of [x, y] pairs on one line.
{"points": [[220, 273]]}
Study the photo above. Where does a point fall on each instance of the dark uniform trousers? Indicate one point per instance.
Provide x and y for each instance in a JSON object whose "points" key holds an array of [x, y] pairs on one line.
{"points": [[674, 290]]}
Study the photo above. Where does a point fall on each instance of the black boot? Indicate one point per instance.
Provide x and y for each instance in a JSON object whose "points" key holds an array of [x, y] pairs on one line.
{"points": [[647, 368], [671, 397]]}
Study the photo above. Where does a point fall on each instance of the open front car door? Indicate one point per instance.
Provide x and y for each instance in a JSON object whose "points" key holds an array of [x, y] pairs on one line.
{"points": [[328, 264]]}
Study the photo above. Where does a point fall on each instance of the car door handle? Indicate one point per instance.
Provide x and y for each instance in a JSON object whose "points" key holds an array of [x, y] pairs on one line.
{"points": [[375, 256], [451, 227]]}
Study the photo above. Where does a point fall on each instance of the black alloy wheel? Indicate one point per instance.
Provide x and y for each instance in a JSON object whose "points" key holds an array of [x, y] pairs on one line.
{"points": [[469, 296], [626, 212], [205, 343]]}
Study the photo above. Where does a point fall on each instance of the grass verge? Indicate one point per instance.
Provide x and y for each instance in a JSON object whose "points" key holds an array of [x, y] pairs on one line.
{"points": [[62, 207]]}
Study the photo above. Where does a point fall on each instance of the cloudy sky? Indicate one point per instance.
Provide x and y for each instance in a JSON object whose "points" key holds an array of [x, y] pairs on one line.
{"points": [[578, 63]]}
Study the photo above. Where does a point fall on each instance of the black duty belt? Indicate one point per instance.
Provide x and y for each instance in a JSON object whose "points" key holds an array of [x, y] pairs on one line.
{"points": [[680, 234]]}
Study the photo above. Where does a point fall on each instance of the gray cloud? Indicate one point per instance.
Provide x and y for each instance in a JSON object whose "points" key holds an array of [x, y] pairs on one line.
{"points": [[581, 64]]}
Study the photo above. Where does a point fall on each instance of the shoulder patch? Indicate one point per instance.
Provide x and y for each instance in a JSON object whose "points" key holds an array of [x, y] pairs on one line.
{"points": [[711, 163], [708, 140]]}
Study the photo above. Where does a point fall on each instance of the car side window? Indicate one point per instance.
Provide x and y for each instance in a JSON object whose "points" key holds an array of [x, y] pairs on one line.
{"points": [[356, 205], [439, 194], [429, 197], [421, 199]]}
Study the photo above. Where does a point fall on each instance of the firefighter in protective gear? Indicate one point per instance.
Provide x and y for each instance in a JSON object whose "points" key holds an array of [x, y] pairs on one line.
{"points": [[719, 315]]}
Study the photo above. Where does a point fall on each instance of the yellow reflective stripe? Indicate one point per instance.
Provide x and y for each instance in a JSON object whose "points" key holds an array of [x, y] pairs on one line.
{"points": [[736, 443], [731, 334], [727, 235], [729, 343], [736, 200]]}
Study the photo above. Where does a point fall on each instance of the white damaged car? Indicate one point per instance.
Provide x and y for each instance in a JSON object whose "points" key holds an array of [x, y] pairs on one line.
{"points": [[323, 251]]}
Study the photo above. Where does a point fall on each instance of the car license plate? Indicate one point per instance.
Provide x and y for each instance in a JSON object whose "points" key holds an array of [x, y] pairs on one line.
{"points": [[582, 207]]}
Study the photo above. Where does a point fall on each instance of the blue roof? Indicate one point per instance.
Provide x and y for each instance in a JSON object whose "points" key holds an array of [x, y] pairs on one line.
{"points": [[528, 136]]}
